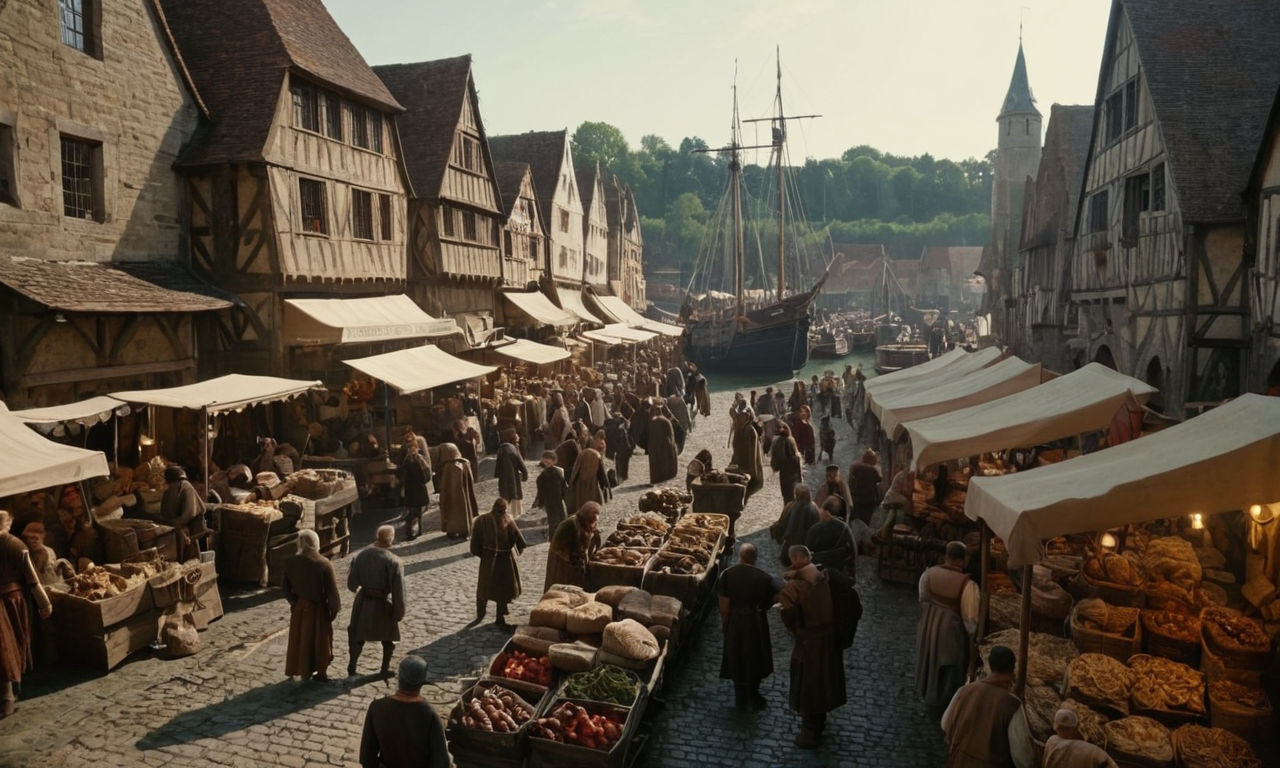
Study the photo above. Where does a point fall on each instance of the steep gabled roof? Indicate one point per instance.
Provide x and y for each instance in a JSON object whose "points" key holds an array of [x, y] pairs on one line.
{"points": [[1212, 69], [237, 52], [433, 93], [508, 175], [543, 151], [1060, 175], [1269, 134], [1018, 100], [587, 190]]}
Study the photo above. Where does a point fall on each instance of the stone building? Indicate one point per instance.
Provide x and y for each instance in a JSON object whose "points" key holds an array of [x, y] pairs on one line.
{"points": [[1262, 254], [1017, 157], [455, 210], [1042, 271], [95, 106], [1158, 276], [295, 184], [626, 245]]}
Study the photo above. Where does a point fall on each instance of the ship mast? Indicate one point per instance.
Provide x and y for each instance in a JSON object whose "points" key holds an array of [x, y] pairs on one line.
{"points": [[735, 172]]}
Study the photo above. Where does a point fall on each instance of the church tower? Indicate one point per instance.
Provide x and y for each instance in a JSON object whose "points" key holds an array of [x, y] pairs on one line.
{"points": [[1017, 159]]}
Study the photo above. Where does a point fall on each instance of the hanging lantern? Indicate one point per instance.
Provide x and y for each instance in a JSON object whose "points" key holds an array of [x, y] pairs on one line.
{"points": [[1261, 513]]}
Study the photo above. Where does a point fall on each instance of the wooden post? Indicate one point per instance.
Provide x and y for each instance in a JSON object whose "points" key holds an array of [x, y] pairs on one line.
{"points": [[386, 415], [1024, 633], [204, 447], [984, 599]]}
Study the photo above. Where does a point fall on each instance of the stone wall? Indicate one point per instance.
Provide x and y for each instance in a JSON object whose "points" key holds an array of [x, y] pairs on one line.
{"points": [[130, 97]]}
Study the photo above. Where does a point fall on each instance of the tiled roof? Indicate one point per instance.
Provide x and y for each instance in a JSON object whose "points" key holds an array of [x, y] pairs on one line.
{"points": [[587, 188], [433, 93], [80, 286], [1058, 179], [509, 175], [239, 50], [543, 151], [1212, 68]]}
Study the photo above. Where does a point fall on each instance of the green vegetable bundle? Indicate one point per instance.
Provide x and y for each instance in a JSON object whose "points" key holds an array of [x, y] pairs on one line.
{"points": [[604, 683]]}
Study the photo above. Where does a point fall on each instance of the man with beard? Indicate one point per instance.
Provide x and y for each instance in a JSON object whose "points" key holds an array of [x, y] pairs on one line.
{"points": [[18, 582], [377, 578], [746, 593], [661, 447], [497, 541], [817, 666], [312, 593]]}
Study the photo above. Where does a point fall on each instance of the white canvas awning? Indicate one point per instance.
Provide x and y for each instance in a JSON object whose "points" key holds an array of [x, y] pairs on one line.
{"points": [[623, 313], [88, 412], [949, 366], [539, 308], [1081, 401], [32, 462], [571, 300], [532, 352], [225, 393], [419, 368], [618, 333], [1222, 460], [349, 321], [1004, 378]]}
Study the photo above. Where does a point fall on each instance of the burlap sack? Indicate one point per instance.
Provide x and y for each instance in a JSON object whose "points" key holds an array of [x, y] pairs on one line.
{"points": [[630, 640], [536, 640], [589, 618], [637, 606], [572, 657]]}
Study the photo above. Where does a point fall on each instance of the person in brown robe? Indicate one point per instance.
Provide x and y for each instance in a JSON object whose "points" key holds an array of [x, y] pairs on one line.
{"points": [[571, 546], [403, 730], [497, 542], [834, 487], [18, 582], [588, 481], [864, 485], [182, 507], [617, 442], [983, 726], [377, 578], [948, 615], [567, 453], [312, 593], [784, 458], [456, 484], [746, 594], [559, 421], [746, 448], [660, 444], [1066, 748], [802, 431], [817, 664], [465, 439]]}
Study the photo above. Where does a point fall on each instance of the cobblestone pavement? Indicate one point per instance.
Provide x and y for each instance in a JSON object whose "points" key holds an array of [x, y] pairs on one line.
{"points": [[231, 705]]}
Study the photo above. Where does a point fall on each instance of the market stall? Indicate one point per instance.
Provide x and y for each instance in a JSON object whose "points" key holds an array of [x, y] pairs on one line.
{"points": [[930, 398], [618, 310], [538, 310], [1173, 544], [949, 364], [32, 462]]}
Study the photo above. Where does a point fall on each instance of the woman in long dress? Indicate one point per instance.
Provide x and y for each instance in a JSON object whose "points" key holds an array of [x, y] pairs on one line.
{"points": [[456, 485]]}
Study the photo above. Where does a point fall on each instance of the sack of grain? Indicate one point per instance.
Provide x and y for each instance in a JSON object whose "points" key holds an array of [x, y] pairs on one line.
{"points": [[589, 618], [550, 612], [571, 594], [536, 640], [613, 594], [572, 657], [605, 657], [629, 639], [638, 606], [665, 610]]}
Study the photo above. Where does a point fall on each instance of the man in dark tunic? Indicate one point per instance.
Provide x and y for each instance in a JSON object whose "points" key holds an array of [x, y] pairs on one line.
{"points": [[511, 472], [948, 615], [377, 578], [817, 666], [18, 582], [746, 593], [402, 730], [415, 473], [312, 593], [864, 485], [465, 438], [617, 443], [497, 541], [571, 545], [182, 508], [784, 458], [802, 517], [661, 447], [553, 489], [830, 539], [587, 480], [746, 447]]}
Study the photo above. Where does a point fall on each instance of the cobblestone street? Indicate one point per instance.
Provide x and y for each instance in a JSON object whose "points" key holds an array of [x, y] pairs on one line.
{"points": [[230, 704]]}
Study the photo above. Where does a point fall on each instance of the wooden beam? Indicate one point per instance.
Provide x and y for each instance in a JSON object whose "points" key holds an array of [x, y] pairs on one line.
{"points": [[1024, 634], [102, 372]]}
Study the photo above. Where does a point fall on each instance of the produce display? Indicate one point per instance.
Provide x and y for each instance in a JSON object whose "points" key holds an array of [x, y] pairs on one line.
{"points": [[1116, 569], [671, 503], [1201, 747], [1172, 559], [720, 477], [604, 683], [646, 521], [1163, 685], [1139, 739], [97, 583], [1048, 656], [518, 665], [495, 709], [1100, 681], [1243, 695], [1040, 704], [1172, 624], [569, 723], [1098, 614], [704, 522], [1228, 631], [620, 556], [639, 539]]}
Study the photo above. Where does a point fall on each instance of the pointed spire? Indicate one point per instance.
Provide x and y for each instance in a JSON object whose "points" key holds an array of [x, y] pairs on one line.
{"points": [[1019, 100]]}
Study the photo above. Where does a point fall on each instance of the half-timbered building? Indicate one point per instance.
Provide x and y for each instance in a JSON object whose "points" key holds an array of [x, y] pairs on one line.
{"points": [[523, 231], [455, 217], [595, 229], [1262, 254], [1158, 274], [1041, 272], [95, 105], [295, 183], [626, 244]]}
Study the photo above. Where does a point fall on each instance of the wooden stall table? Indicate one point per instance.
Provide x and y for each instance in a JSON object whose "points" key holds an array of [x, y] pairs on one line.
{"points": [[253, 546]]}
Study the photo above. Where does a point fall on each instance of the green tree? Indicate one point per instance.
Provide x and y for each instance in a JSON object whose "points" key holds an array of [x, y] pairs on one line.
{"points": [[595, 141]]}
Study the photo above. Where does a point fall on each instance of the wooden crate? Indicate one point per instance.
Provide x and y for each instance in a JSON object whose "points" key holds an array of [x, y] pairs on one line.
{"points": [[105, 651], [544, 753], [474, 747], [209, 600], [92, 617]]}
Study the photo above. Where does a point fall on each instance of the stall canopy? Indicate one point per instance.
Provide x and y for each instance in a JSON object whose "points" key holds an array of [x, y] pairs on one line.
{"points": [[351, 321], [539, 308], [572, 301], [1222, 460], [32, 462], [617, 333], [93, 410], [419, 368], [532, 352], [225, 393], [944, 367], [932, 398], [1079, 402], [623, 313]]}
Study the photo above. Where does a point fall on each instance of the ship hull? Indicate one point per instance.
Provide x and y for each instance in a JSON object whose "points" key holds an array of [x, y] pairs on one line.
{"points": [[781, 348], [895, 357], [833, 349]]}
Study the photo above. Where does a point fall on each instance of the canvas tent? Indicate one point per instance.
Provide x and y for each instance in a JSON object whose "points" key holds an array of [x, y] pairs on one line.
{"points": [[32, 462], [571, 300], [948, 366], [225, 393], [622, 313], [537, 307], [531, 352], [1079, 402], [419, 368], [359, 320], [87, 412], [934, 397], [618, 333]]}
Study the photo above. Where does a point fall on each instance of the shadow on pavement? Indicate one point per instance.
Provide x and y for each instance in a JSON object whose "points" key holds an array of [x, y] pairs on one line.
{"points": [[454, 655]]}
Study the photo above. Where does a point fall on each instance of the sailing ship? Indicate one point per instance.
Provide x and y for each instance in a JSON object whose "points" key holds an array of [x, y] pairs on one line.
{"points": [[764, 329]]}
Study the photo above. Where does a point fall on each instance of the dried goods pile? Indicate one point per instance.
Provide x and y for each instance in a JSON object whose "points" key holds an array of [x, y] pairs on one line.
{"points": [[1100, 681], [1228, 632], [620, 556], [97, 583], [1163, 685], [1139, 739], [671, 503], [1048, 655], [1200, 747], [495, 709]]}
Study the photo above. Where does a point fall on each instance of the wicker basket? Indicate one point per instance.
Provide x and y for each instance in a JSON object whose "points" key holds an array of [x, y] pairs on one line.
{"points": [[1215, 667], [1250, 723], [1118, 646], [1115, 594], [1158, 643], [1232, 657]]}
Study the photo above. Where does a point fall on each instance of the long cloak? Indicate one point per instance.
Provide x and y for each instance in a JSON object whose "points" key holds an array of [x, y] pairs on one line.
{"points": [[511, 472], [784, 458], [587, 481], [567, 455], [747, 656], [458, 508], [377, 578], [803, 516], [746, 453], [680, 412], [496, 541], [15, 613], [312, 593], [802, 433], [942, 645], [663, 454], [553, 490], [415, 473], [571, 545], [831, 543], [558, 427], [817, 664]]}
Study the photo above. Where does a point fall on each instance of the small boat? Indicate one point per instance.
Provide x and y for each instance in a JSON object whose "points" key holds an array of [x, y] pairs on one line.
{"points": [[825, 344], [897, 345], [895, 357]]}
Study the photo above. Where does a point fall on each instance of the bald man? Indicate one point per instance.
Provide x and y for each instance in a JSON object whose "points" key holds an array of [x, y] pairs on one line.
{"points": [[746, 594], [377, 578], [1066, 748]]}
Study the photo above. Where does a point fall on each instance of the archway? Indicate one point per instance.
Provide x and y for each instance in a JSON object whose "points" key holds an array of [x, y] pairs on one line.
{"points": [[1155, 377], [1104, 356]]}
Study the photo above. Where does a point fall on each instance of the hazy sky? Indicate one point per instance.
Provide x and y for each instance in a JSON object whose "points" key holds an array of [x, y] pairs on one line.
{"points": [[906, 76]]}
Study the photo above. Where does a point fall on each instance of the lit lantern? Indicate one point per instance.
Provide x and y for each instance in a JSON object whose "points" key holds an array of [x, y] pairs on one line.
{"points": [[1108, 542], [1261, 514], [1197, 522]]}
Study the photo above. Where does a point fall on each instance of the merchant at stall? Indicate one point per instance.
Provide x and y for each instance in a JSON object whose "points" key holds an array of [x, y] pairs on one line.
{"points": [[817, 666], [182, 508], [571, 546], [1066, 748], [377, 578], [18, 584], [948, 616], [497, 541], [746, 594], [312, 593], [50, 568]]}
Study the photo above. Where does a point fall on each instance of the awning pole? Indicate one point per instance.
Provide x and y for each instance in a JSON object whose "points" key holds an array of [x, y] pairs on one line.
{"points": [[386, 414], [984, 600], [1024, 633], [204, 448]]}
